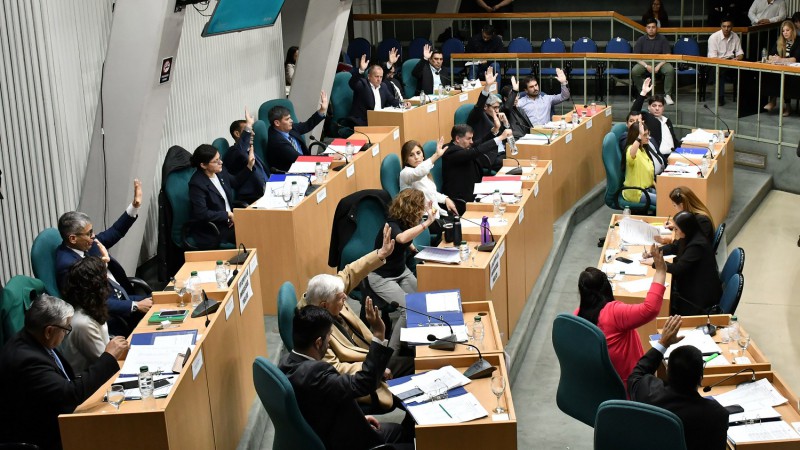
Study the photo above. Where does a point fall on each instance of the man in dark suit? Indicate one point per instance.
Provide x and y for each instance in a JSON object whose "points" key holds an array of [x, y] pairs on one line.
{"points": [[390, 77], [487, 41], [238, 158], [79, 240], [662, 134], [463, 164], [705, 422], [286, 141], [519, 121], [428, 71], [369, 93], [37, 383], [326, 398], [485, 118]]}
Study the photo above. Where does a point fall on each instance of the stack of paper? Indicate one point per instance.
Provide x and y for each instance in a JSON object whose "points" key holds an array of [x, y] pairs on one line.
{"points": [[157, 351], [695, 338], [700, 136], [508, 184], [637, 232], [450, 410], [429, 383], [444, 255], [419, 335], [762, 431]]}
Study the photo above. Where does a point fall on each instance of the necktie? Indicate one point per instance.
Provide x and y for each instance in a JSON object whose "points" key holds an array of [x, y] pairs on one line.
{"points": [[58, 362], [294, 144], [437, 72]]}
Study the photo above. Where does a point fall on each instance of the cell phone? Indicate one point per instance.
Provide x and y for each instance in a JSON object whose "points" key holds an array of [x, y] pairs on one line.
{"points": [[410, 394], [618, 258], [132, 384], [167, 313]]}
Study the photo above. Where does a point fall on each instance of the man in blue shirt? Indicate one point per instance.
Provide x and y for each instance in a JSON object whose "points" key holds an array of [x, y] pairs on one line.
{"points": [[285, 137], [538, 106]]}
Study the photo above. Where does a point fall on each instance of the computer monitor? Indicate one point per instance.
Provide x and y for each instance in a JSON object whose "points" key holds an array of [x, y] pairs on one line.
{"points": [[239, 15]]}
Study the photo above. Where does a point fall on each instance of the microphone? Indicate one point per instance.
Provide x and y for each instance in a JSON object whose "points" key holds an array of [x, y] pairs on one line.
{"points": [[709, 328], [205, 308], [316, 142], [446, 343], [548, 136], [517, 170], [752, 379], [479, 369], [699, 170], [728, 131], [240, 257], [363, 147], [488, 247]]}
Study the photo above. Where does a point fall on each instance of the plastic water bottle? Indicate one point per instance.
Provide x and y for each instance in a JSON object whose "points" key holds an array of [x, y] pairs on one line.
{"points": [[486, 234], [146, 385], [221, 276], [295, 193], [496, 200], [478, 332], [319, 172], [626, 213], [593, 108], [704, 166], [575, 119], [763, 55], [710, 149], [348, 150], [422, 98], [512, 143], [195, 289], [733, 329], [563, 124], [464, 251]]}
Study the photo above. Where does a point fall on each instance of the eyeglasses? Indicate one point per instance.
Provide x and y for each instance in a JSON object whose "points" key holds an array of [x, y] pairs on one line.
{"points": [[88, 233], [67, 331], [215, 161]]}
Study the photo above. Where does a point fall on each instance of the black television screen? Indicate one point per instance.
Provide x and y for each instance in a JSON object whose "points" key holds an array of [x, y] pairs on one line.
{"points": [[239, 15]]}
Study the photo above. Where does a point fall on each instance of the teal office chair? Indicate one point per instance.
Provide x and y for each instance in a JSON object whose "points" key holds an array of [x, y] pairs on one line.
{"points": [[370, 218], [587, 376], [390, 174], [17, 296], [222, 146], [626, 425], [263, 110], [287, 302], [341, 100], [618, 129], [462, 113], [429, 148], [733, 265], [177, 191], [731, 294], [261, 130], [43, 259], [612, 160], [409, 81], [292, 432]]}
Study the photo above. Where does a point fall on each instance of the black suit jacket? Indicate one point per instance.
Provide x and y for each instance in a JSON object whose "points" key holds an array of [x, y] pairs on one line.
{"points": [[34, 391], [280, 152], [480, 122], [65, 258], [236, 163], [422, 73], [463, 167], [208, 205], [695, 277], [363, 100], [705, 422], [653, 124], [327, 399], [519, 121]]}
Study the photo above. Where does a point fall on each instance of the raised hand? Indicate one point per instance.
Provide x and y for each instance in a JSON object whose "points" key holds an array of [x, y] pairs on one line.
{"points": [[388, 243], [440, 146], [394, 56], [647, 86], [248, 118], [669, 335], [137, 193], [374, 320], [427, 52], [364, 63], [561, 76], [323, 102], [503, 119], [514, 84], [490, 76], [103, 251]]}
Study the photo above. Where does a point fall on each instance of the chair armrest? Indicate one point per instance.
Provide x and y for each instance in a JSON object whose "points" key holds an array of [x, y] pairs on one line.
{"points": [[239, 204], [628, 188], [140, 286], [190, 225]]}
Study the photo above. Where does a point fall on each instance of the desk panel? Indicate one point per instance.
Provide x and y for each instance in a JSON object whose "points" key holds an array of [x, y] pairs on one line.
{"points": [[491, 341]]}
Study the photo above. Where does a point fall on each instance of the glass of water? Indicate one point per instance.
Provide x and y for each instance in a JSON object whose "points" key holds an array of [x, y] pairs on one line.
{"points": [[115, 395], [501, 211]]}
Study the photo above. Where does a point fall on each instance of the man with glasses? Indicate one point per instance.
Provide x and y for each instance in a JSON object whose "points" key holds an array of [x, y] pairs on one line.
{"points": [[79, 240], [36, 381]]}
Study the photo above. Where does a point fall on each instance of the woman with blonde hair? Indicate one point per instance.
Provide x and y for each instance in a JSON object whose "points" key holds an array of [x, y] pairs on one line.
{"points": [[683, 199], [786, 51]]}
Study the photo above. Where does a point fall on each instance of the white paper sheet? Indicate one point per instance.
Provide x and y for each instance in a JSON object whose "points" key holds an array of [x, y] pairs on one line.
{"points": [[637, 232], [752, 396], [695, 338], [207, 276], [765, 431], [156, 358], [442, 301], [505, 187], [173, 340], [425, 381], [507, 198], [451, 410], [419, 335], [444, 255], [619, 267], [642, 285], [505, 169]]}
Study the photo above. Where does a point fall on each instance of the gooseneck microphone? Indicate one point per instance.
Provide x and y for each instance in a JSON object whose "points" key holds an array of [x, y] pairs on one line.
{"points": [[547, 136], [517, 170], [315, 141], [363, 147], [489, 246], [479, 369], [728, 131], [709, 328], [240, 257], [699, 170], [447, 342], [751, 380]]}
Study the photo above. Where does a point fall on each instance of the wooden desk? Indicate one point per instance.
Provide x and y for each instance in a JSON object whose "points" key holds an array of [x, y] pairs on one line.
{"points": [[481, 433], [491, 341], [789, 411], [294, 242], [759, 362], [576, 157], [715, 190], [207, 407], [612, 242]]}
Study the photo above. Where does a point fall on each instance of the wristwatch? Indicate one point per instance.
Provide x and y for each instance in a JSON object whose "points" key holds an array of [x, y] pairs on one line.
{"points": [[134, 308], [639, 140]]}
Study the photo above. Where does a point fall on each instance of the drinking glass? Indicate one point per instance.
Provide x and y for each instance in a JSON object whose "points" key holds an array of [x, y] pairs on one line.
{"points": [[115, 395], [744, 342], [448, 89], [498, 387], [180, 289], [468, 326], [286, 195], [502, 210]]}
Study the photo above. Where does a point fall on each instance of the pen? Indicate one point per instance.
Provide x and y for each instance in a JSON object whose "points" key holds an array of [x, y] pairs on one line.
{"points": [[445, 411], [709, 358]]}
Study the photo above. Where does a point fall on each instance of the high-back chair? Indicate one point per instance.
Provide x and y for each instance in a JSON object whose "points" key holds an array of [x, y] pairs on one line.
{"points": [[429, 148], [612, 160], [587, 376], [733, 265], [370, 218], [450, 46], [731, 294], [416, 49], [43, 259], [292, 432], [462, 114], [16, 298], [182, 228], [390, 174], [718, 236], [552, 45], [341, 100], [222, 146], [409, 81], [287, 302], [686, 46], [263, 110], [625, 425], [261, 140], [619, 45], [520, 45]]}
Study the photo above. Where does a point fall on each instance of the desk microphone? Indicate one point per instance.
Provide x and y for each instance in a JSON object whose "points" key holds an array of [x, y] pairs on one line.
{"points": [[205, 308], [446, 343], [363, 147], [709, 328], [240, 257], [548, 136], [751, 380], [318, 143], [699, 170], [728, 131], [479, 369], [489, 246], [517, 170]]}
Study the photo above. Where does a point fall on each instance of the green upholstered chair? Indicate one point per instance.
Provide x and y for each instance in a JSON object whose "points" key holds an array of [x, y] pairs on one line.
{"points": [[462, 114], [43, 259], [341, 100], [222, 146], [390, 174], [429, 148], [618, 129], [16, 298], [261, 130], [626, 425], [292, 432], [370, 218], [409, 81], [263, 110], [612, 161], [287, 302], [587, 376], [177, 191]]}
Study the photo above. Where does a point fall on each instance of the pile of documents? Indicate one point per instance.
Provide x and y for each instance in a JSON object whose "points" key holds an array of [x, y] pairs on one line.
{"points": [[759, 421], [444, 305], [157, 351], [638, 232]]}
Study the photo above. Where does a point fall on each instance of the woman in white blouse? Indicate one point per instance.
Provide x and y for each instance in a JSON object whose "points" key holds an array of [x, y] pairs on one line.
{"points": [[86, 290], [416, 173]]}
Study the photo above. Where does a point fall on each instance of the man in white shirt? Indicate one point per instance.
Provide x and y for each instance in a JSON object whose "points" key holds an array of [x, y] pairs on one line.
{"points": [[369, 93], [766, 11], [725, 44]]}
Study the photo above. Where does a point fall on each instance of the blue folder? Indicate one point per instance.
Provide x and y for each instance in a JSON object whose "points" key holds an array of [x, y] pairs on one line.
{"points": [[417, 301]]}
